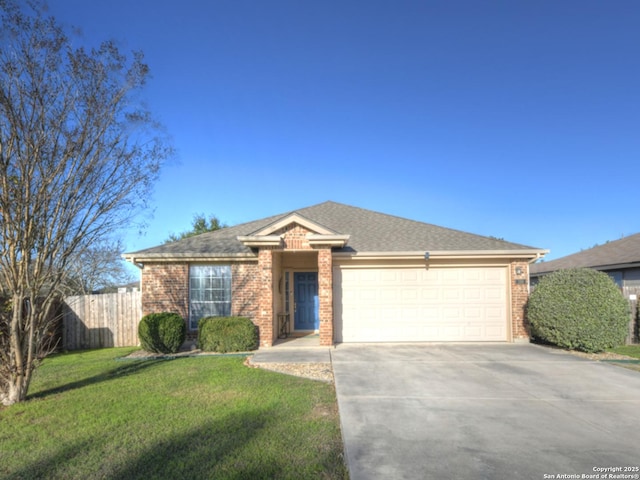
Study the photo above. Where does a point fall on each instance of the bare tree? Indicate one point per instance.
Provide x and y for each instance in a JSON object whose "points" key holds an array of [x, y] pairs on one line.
{"points": [[78, 155], [98, 267]]}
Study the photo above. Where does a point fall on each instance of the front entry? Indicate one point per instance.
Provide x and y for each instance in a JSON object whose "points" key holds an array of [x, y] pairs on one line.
{"points": [[305, 294]]}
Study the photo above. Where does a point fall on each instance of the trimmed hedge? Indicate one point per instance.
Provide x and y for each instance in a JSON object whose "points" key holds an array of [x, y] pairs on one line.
{"points": [[227, 334], [162, 332], [579, 309]]}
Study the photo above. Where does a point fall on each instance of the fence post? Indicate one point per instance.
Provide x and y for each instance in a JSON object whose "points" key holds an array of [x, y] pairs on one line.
{"points": [[633, 304]]}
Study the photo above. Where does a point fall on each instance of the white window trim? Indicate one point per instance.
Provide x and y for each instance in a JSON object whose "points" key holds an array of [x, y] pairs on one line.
{"points": [[208, 302]]}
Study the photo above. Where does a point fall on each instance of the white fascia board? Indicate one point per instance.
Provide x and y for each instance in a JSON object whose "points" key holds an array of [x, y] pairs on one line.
{"points": [[186, 257], [260, 241], [331, 240], [532, 254]]}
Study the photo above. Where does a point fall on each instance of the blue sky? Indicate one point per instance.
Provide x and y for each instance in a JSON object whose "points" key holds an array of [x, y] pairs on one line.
{"points": [[516, 119]]}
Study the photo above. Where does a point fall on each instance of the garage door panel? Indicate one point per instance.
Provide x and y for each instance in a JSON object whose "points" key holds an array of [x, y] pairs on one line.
{"points": [[494, 332], [495, 313], [410, 294], [388, 295], [496, 276], [389, 276], [473, 332], [409, 276], [429, 293], [451, 294], [495, 294], [367, 294], [473, 295], [436, 304], [473, 314]]}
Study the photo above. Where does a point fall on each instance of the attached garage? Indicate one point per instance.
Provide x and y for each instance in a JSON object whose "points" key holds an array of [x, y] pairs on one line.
{"points": [[435, 304]]}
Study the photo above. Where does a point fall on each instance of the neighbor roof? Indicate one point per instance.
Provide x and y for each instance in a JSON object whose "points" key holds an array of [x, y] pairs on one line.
{"points": [[368, 232], [617, 254]]}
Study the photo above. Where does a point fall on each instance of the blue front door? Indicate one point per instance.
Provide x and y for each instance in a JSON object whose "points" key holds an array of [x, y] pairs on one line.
{"points": [[305, 296]]}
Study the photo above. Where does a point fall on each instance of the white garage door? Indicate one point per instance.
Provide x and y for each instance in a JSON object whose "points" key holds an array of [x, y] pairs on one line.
{"points": [[419, 304]]}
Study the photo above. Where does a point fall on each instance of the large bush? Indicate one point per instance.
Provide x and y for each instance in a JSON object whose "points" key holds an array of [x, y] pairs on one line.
{"points": [[579, 309], [162, 332], [227, 334]]}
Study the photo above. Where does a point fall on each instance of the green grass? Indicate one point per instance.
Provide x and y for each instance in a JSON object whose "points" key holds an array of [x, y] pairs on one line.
{"points": [[93, 415], [629, 350]]}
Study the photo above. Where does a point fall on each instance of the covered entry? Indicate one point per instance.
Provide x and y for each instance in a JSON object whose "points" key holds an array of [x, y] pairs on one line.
{"points": [[296, 297], [305, 303]]}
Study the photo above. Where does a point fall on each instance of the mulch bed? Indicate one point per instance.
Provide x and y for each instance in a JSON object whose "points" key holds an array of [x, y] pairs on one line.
{"points": [[322, 372], [607, 356], [314, 371]]}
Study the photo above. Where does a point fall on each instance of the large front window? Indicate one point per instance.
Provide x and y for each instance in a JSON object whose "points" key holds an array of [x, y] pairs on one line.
{"points": [[209, 292]]}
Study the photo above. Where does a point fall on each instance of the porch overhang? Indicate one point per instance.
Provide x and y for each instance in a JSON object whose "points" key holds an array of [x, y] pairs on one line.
{"points": [[315, 240], [260, 240], [320, 240]]}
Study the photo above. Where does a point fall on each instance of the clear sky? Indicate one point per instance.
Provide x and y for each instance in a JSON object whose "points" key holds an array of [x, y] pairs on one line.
{"points": [[516, 119]]}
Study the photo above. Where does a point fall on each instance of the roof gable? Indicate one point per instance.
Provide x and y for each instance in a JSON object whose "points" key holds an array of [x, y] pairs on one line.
{"points": [[274, 233], [291, 219]]}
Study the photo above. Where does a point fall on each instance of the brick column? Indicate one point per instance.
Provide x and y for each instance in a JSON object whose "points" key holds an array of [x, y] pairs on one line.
{"points": [[265, 297], [519, 297], [325, 296]]}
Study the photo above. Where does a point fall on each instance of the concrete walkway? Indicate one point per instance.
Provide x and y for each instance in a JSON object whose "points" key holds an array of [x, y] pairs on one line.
{"points": [[500, 411], [292, 355]]}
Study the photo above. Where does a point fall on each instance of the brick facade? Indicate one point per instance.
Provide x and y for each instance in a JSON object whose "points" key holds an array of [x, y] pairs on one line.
{"points": [[519, 273], [244, 290], [294, 237], [165, 288]]}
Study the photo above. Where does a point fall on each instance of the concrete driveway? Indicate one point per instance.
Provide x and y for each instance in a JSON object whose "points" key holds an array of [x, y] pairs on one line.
{"points": [[499, 411]]}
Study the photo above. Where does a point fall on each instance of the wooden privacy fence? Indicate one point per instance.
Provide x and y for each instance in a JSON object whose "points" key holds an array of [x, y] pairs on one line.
{"points": [[99, 321], [633, 294]]}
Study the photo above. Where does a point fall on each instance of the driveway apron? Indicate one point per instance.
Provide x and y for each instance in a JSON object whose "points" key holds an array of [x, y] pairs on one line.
{"points": [[498, 411]]}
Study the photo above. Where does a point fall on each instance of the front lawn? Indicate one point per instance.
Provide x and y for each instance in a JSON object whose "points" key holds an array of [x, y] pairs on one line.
{"points": [[93, 415], [628, 350]]}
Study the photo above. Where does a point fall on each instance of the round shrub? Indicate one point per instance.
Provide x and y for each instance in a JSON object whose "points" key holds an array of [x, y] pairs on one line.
{"points": [[578, 309], [162, 332], [227, 334]]}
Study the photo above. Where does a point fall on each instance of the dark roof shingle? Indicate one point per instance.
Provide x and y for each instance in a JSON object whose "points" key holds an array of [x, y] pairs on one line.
{"points": [[369, 232], [619, 252]]}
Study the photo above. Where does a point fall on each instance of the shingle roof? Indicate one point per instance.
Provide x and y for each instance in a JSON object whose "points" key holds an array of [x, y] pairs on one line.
{"points": [[621, 252], [369, 232]]}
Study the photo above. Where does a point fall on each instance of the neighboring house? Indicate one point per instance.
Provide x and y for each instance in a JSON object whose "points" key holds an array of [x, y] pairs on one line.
{"points": [[350, 274], [619, 259]]}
